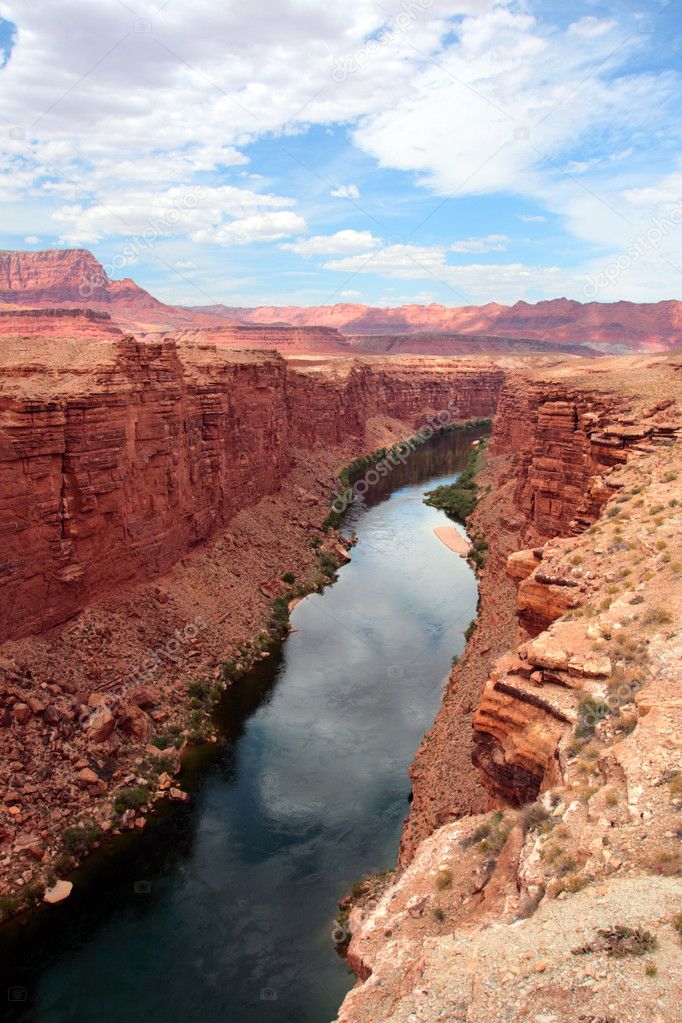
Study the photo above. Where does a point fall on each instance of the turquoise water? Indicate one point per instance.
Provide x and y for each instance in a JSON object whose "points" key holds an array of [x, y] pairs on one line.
{"points": [[223, 909]]}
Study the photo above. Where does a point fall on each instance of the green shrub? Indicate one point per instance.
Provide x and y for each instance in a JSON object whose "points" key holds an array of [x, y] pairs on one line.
{"points": [[289, 578], [131, 798], [198, 689], [8, 906], [458, 499], [78, 840]]}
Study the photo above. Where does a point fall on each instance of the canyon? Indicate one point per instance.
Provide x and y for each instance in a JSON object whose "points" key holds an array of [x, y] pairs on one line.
{"points": [[155, 493], [74, 278]]}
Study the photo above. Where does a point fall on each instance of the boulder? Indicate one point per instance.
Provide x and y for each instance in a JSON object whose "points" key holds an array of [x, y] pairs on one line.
{"points": [[100, 724], [58, 892]]}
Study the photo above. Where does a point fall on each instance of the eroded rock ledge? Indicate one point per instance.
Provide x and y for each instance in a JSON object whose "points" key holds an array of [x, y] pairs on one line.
{"points": [[573, 690]]}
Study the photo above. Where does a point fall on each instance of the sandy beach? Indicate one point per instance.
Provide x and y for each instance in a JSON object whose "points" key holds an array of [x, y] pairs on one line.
{"points": [[453, 539]]}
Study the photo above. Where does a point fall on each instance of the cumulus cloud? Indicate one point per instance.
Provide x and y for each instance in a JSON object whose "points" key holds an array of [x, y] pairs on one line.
{"points": [[262, 227], [531, 218], [197, 211], [346, 192], [32, 239], [111, 114], [329, 244]]}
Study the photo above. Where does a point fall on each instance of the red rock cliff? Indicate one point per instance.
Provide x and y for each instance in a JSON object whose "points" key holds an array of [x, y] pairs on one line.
{"points": [[112, 467]]}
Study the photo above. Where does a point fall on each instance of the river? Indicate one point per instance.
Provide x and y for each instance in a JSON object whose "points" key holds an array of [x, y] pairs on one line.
{"points": [[223, 908]]}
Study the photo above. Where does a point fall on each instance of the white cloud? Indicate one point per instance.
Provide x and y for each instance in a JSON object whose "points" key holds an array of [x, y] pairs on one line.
{"points": [[32, 239], [331, 244], [351, 294], [475, 282], [530, 218], [589, 27], [194, 210], [110, 126], [346, 192], [489, 243], [262, 227]]}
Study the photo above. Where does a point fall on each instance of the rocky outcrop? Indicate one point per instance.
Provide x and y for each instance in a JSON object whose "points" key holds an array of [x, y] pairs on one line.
{"points": [[73, 278], [280, 337], [83, 324]]}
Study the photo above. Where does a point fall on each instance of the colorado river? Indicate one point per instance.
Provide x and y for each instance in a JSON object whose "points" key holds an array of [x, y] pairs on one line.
{"points": [[223, 909]]}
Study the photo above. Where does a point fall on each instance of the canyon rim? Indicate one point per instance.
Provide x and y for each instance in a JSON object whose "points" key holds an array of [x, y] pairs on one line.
{"points": [[341, 512]]}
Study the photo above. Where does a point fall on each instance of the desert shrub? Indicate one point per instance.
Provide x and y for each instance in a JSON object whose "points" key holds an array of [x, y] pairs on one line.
{"points": [[535, 818], [657, 616], [443, 879], [289, 578], [470, 629], [79, 839], [438, 914], [131, 798], [619, 941], [590, 713], [8, 906], [476, 836], [199, 689], [31, 893], [574, 883]]}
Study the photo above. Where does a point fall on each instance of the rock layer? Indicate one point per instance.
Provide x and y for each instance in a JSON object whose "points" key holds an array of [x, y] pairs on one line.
{"points": [[110, 475]]}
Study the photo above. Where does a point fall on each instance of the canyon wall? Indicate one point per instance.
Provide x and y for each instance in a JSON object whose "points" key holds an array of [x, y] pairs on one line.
{"points": [[110, 471], [535, 893]]}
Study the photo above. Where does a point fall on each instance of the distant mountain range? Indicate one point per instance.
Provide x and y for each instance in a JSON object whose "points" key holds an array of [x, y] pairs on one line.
{"points": [[74, 279]]}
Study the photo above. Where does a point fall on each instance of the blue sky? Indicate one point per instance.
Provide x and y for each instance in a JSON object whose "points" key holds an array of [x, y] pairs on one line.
{"points": [[297, 152]]}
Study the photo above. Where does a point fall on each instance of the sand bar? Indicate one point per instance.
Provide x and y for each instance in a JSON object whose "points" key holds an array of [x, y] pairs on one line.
{"points": [[453, 539]]}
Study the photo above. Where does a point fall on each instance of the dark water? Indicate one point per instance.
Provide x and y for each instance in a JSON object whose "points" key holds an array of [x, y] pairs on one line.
{"points": [[223, 909]]}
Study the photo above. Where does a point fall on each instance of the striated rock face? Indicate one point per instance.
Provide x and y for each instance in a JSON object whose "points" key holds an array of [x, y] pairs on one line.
{"points": [[81, 324], [112, 469], [564, 478], [280, 337], [563, 442]]}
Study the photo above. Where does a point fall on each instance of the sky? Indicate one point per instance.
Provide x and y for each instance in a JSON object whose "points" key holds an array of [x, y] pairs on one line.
{"points": [[305, 152]]}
